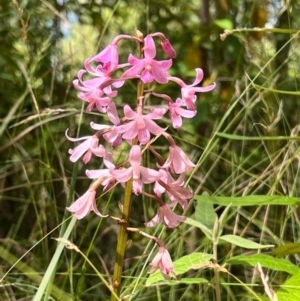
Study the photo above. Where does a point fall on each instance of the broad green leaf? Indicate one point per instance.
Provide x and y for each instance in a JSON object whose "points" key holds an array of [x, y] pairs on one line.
{"points": [[287, 249], [224, 23], [266, 261], [191, 221], [290, 290], [205, 214], [182, 265], [181, 281], [243, 242], [251, 200]]}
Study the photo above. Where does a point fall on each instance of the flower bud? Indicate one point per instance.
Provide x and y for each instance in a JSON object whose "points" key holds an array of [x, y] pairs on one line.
{"points": [[168, 48]]}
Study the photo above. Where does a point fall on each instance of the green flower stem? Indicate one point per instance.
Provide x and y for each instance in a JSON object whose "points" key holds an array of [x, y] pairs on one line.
{"points": [[123, 234], [122, 239]]}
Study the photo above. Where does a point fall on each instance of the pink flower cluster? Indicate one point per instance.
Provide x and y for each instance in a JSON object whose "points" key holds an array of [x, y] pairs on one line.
{"points": [[136, 127]]}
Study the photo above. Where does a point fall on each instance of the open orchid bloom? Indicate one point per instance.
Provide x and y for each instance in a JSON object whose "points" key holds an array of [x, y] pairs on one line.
{"points": [[149, 69], [138, 173], [109, 57], [89, 146], [176, 113], [141, 125]]}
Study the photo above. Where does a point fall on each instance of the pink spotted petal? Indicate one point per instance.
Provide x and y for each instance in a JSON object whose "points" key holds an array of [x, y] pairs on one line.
{"points": [[84, 205], [163, 261], [99, 151], [99, 127], [147, 77], [137, 67], [113, 114], [186, 113], [157, 113]]}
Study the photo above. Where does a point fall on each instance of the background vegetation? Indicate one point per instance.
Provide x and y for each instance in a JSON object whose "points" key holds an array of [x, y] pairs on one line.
{"points": [[245, 139]]}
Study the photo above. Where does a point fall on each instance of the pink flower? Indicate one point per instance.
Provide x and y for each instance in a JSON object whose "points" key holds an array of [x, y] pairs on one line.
{"points": [[91, 92], [112, 136], [176, 193], [176, 112], [141, 125], [88, 147], [84, 205], [90, 88], [178, 161], [109, 57], [138, 173], [150, 69], [108, 181], [163, 261], [188, 91], [166, 216]]}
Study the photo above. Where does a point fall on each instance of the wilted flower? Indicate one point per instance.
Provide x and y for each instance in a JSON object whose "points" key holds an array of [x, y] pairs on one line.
{"points": [[163, 261]]}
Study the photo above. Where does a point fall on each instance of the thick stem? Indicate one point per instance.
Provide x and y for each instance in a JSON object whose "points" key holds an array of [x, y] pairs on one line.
{"points": [[122, 239]]}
